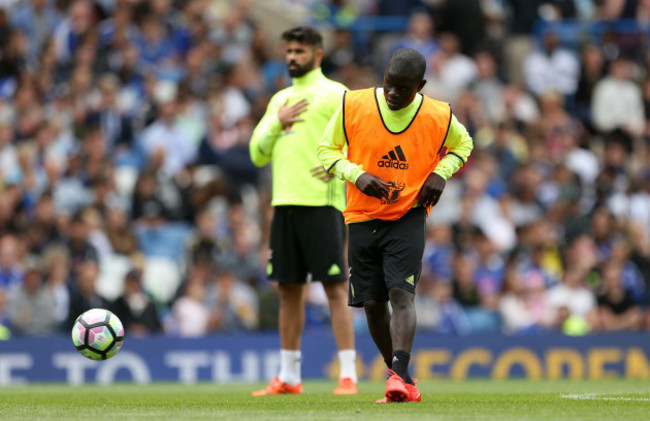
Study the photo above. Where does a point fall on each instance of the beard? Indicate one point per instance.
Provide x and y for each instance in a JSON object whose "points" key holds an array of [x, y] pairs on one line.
{"points": [[300, 71]]}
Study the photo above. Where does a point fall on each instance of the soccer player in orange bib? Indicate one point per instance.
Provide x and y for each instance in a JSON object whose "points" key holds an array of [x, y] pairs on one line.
{"points": [[401, 148]]}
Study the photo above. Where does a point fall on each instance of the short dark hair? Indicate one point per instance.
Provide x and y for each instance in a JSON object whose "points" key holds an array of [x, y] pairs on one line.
{"points": [[304, 35], [407, 61]]}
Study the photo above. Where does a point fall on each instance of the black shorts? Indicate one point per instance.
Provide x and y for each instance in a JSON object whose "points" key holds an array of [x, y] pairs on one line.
{"points": [[385, 255], [307, 240]]}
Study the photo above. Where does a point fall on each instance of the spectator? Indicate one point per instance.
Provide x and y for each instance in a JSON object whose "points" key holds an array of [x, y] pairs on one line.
{"points": [[592, 69], [69, 33], [135, 309], [163, 141], [450, 71], [11, 272], [419, 36], [8, 154], [508, 148], [146, 205], [640, 256], [32, 305], [81, 250], [519, 105], [480, 309], [206, 242], [438, 253], [235, 303], [114, 125], [191, 316], [573, 296], [438, 310], [466, 20], [121, 238], [552, 68], [36, 19], [5, 331], [617, 101], [616, 308], [56, 265], [343, 53], [243, 257], [523, 304], [84, 296], [488, 87], [156, 50], [235, 33]]}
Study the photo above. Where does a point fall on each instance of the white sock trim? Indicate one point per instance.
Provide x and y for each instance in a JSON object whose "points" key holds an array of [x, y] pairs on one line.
{"points": [[347, 361], [290, 366]]}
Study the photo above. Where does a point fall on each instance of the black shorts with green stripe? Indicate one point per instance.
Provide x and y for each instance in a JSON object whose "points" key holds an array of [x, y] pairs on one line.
{"points": [[385, 255], [307, 240]]}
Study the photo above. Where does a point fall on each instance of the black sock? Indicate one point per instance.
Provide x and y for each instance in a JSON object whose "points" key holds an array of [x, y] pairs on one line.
{"points": [[389, 364], [401, 365]]}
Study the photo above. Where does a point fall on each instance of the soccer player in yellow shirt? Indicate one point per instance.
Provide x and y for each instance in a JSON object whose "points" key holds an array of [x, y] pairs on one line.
{"points": [[307, 231]]}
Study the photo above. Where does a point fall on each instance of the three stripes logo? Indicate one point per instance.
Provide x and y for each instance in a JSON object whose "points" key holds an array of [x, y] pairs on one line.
{"points": [[394, 159]]}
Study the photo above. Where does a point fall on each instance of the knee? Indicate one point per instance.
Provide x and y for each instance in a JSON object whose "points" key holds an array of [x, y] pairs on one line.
{"points": [[336, 291], [375, 309], [290, 292], [401, 298]]}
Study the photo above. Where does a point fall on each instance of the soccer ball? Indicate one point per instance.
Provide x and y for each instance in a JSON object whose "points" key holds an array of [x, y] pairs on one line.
{"points": [[98, 334]]}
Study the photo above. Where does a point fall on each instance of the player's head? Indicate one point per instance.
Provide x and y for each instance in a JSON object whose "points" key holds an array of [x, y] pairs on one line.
{"points": [[304, 50], [403, 77]]}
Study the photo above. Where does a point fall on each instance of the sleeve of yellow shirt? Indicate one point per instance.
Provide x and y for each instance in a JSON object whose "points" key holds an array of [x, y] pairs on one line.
{"points": [[459, 145], [265, 134], [331, 151]]}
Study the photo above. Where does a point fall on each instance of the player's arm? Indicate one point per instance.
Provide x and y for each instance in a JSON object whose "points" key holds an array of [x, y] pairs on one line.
{"points": [[330, 152], [278, 116], [459, 146], [265, 135]]}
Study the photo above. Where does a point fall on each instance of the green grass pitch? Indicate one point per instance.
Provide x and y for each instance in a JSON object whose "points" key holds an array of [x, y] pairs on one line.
{"points": [[441, 400]]}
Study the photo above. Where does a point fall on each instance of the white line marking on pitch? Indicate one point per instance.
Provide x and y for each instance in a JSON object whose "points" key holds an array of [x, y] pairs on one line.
{"points": [[596, 397]]}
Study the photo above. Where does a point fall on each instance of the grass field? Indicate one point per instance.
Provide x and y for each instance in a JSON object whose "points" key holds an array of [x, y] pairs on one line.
{"points": [[441, 400]]}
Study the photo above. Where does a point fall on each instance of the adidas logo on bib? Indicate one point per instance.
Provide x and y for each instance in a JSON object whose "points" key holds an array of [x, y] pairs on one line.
{"points": [[394, 159]]}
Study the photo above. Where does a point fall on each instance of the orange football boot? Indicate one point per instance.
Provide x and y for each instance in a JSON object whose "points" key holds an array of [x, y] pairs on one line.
{"points": [[278, 387], [399, 391], [346, 386], [414, 393], [396, 388]]}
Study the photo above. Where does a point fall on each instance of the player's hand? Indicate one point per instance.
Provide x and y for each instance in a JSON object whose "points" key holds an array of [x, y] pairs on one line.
{"points": [[320, 173], [289, 114], [431, 190], [372, 185]]}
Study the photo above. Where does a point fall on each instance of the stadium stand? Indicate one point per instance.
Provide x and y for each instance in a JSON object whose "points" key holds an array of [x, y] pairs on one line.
{"points": [[124, 129]]}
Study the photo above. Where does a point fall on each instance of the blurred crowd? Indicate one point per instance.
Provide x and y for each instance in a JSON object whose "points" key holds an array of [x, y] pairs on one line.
{"points": [[125, 179]]}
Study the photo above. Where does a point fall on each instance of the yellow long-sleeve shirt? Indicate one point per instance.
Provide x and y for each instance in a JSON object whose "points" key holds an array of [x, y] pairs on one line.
{"points": [[292, 151]]}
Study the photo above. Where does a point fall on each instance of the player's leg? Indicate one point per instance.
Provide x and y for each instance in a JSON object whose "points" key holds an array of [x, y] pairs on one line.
{"points": [[403, 247], [343, 328], [287, 267], [402, 327], [378, 317], [341, 314], [291, 320], [367, 286], [380, 324], [323, 241]]}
